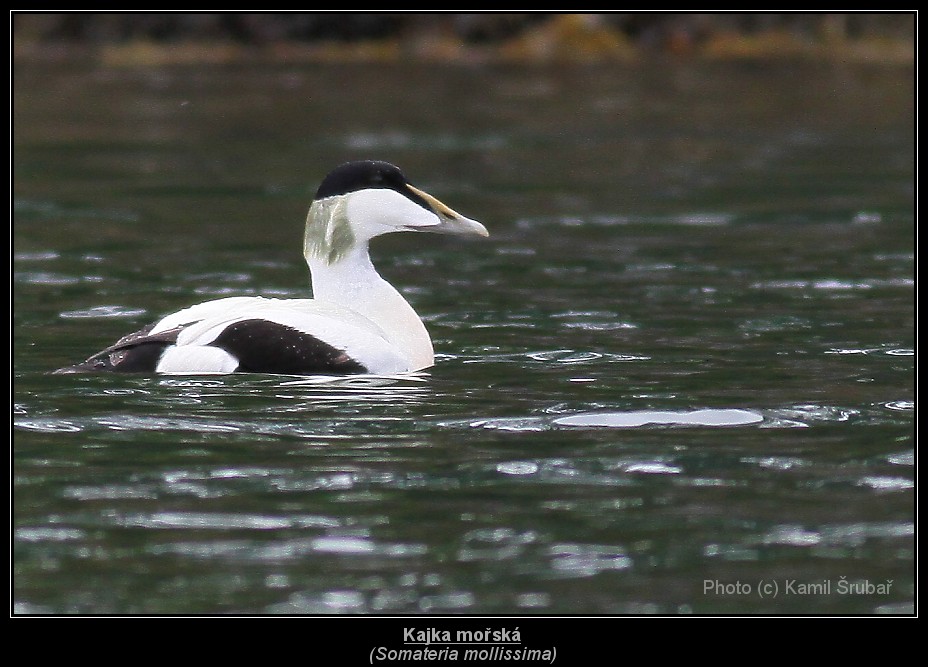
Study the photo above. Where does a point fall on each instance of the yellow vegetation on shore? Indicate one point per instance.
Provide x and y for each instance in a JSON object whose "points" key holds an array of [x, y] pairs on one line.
{"points": [[115, 40]]}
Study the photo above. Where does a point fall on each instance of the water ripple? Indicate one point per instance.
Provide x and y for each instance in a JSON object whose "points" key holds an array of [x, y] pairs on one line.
{"points": [[653, 468], [207, 520], [533, 600], [515, 424], [327, 602], [495, 544], [103, 312], [883, 483], [817, 413], [638, 418], [792, 536], [834, 285], [40, 256], [343, 545], [453, 601], [903, 458], [48, 534], [587, 560], [517, 468], [775, 462], [856, 534], [110, 492], [48, 425], [148, 423], [46, 278], [891, 351], [564, 356]]}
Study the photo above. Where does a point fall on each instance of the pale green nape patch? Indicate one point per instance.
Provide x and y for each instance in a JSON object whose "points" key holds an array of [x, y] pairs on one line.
{"points": [[328, 234]]}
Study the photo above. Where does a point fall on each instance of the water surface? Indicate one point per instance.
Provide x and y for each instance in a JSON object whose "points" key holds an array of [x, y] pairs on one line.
{"points": [[682, 363]]}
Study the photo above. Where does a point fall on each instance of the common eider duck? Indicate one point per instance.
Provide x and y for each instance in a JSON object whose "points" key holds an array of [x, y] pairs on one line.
{"points": [[356, 323]]}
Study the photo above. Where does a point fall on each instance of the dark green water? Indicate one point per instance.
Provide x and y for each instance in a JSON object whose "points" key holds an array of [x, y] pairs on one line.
{"points": [[668, 239]]}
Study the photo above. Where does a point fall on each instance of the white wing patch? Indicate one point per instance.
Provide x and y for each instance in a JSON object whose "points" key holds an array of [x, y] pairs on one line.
{"points": [[196, 359]]}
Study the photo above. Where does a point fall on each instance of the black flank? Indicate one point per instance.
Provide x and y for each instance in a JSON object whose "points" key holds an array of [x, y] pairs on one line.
{"points": [[262, 346]]}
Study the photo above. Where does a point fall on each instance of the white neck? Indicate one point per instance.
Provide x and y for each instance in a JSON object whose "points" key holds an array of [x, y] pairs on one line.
{"points": [[352, 282]]}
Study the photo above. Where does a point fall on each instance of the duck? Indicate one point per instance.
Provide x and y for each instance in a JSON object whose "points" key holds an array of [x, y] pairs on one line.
{"points": [[355, 323]]}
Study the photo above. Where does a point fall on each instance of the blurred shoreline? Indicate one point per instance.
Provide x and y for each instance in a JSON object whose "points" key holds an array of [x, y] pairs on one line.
{"points": [[160, 39]]}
